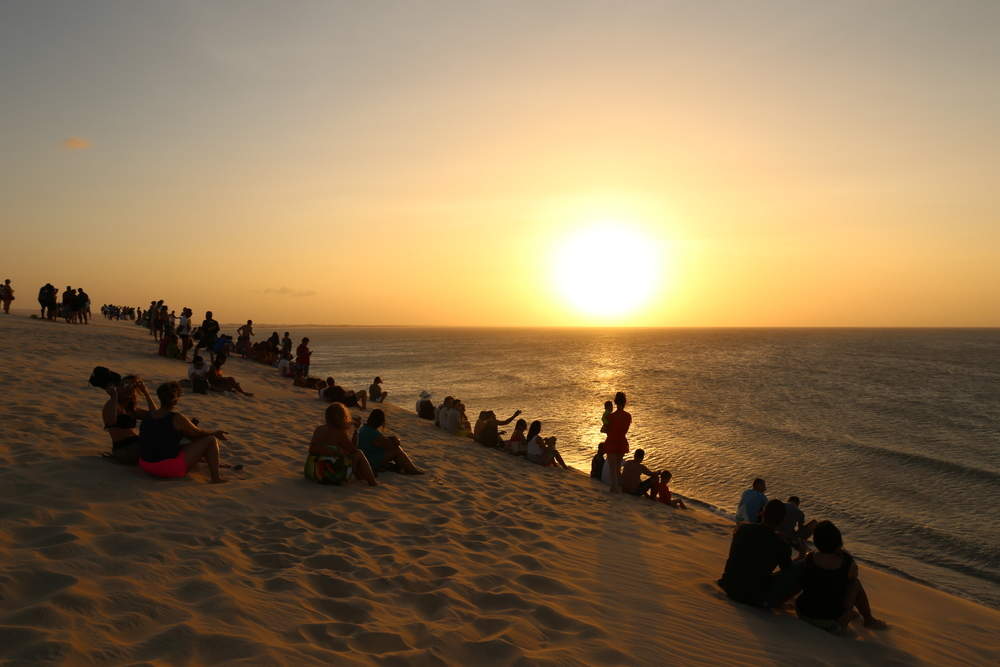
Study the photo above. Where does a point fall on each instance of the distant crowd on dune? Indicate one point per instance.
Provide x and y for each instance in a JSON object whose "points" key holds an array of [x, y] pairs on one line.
{"points": [[822, 580]]}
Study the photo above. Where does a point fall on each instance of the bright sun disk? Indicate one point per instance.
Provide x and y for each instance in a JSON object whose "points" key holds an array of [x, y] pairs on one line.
{"points": [[607, 271]]}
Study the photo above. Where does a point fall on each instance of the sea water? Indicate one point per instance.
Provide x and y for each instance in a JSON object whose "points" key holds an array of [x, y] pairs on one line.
{"points": [[892, 434]]}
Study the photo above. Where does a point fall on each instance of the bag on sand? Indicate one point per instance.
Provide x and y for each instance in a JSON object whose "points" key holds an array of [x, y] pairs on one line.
{"points": [[102, 377]]}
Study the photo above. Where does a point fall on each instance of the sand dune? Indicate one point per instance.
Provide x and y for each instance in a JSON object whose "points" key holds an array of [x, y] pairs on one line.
{"points": [[486, 560]]}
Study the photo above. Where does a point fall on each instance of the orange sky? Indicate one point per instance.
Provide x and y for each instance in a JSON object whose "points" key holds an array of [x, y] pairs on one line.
{"points": [[788, 163]]}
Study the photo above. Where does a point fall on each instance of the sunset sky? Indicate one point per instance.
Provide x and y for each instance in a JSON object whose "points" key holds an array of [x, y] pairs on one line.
{"points": [[766, 163]]}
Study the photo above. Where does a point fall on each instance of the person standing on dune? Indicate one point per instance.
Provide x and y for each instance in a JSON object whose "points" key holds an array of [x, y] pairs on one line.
{"points": [[616, 444], [6, 295]]}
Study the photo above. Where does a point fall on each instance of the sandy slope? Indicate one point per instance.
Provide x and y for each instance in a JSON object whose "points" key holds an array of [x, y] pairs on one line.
{"points": [[487, 560]]}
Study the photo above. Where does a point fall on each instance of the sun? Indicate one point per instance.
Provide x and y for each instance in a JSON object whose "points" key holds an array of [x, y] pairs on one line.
{"points": [[607, 270]]}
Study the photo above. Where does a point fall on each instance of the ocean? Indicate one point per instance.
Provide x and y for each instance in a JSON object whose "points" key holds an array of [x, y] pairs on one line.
{"points": [[892, 434]]}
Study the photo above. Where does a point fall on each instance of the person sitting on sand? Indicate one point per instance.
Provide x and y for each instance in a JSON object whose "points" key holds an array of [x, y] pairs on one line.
{"points": [[197, 374], [517, 445], [375, 393], [334, 393], [755, 551], [663, 491], [487, 431], [794, 528], [334, 456], [632, 472], [597, 463], [459, 422], [120, 416], [219, 382], [543, 450], [380, 449], [831, 590], [752, 503], [161, 453], [442, 412], [424, 407], [616, 443], [285, 365]]}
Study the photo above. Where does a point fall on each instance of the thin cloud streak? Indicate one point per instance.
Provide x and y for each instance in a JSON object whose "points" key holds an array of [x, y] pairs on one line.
{"points": [[76, 144], [288, 291]]}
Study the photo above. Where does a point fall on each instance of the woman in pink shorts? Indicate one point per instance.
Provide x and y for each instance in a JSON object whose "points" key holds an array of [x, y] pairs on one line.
{"points": [[161, 453]]}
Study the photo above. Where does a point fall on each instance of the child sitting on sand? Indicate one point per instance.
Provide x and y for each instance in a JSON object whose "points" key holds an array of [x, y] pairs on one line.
{"points": [[597, 463], [663, 491], [334, 456]]}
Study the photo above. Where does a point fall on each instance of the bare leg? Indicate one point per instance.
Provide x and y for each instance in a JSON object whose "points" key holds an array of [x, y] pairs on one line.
{"points": [[363, 399], [559, 459], [363, 469], [204, 448], [615, 467], [857, 596], [402, 458]]}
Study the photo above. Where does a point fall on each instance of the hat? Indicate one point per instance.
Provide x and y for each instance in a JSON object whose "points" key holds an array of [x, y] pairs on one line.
{"points": [[425, 394]]}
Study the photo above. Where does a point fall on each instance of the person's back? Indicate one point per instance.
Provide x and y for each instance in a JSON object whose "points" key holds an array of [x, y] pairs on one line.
{"points": [[159, 440], [794, 519], [451, 420], [825, 579], [754, 553], [752, 503], [631, 474]]}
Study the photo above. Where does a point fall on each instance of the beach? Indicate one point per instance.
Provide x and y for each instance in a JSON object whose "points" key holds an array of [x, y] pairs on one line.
{"points": [[485, 560]]}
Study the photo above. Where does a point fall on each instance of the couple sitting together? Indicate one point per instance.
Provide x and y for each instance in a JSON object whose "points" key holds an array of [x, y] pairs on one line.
{"points": [[166, 444], [342, 448], [831, 592]]}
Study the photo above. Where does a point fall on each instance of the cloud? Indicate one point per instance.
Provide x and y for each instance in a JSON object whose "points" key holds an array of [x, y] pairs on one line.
{"points": [[76, 144], [288, 291]]}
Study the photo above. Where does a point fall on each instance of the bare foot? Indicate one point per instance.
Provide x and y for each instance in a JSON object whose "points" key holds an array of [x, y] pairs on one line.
{"points": [[873, 623]]}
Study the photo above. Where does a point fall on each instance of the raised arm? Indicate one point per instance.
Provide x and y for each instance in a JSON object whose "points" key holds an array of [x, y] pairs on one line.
{"points": [[509, 419], [150, 404]]}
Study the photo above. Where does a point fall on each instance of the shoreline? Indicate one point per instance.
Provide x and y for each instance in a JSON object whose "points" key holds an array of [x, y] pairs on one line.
{"points": [[486, 556]]}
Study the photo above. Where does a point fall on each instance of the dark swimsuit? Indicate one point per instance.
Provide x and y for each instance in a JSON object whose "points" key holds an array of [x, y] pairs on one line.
{"points": [[125, 450]]}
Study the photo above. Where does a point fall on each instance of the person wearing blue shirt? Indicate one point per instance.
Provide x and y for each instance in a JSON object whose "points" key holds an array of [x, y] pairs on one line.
{"points": [[752, 503]]}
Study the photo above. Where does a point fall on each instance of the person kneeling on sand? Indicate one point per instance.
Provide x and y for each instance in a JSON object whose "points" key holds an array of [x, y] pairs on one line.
{"points": [[755, 551], [334, 393], [543, 450], [334, 456], [380, 449], [632, 472], [161, 453], [831, 590], [663, 491]]}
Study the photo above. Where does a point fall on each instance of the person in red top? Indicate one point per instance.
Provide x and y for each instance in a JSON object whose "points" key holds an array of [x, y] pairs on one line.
{"points": [[616, 444], [663, 491], [302, 355]]}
